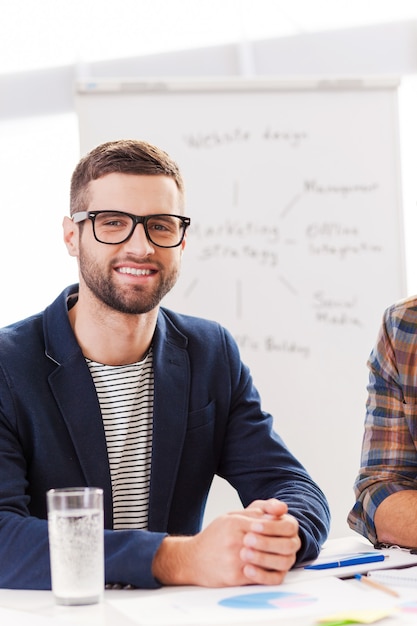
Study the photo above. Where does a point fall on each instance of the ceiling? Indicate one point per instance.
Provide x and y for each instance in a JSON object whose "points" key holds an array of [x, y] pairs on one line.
{"points": [[50, 33]]}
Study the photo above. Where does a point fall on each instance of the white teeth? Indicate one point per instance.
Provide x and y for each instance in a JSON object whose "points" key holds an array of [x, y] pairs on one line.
{"points": [[134, 272]]}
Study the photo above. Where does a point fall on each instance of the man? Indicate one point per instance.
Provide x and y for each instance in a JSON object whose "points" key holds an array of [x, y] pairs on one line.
{"points": [[107, 389], [386, 486]]}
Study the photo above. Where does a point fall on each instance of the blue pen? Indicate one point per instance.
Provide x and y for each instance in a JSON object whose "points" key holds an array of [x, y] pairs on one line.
{"points": [[359, 559]]}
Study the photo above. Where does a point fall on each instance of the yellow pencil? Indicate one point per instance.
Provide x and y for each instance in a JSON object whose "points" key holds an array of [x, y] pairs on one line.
{"points": [[375, 585]]}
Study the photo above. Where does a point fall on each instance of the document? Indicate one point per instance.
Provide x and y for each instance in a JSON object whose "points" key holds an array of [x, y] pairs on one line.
{"points": [[312, 600], [24, 618], [356, 552], [406, 577]]}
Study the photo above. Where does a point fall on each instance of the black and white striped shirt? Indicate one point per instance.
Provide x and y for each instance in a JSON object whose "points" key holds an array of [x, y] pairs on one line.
{"points": [[125, 394]]}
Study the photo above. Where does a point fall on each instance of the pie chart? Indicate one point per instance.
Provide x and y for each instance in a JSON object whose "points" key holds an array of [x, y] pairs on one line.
{"points": [[270, 600], [409, 607]]}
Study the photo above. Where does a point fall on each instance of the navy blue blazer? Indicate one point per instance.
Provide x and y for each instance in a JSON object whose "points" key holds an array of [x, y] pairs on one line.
{"points": [[207, 421]]}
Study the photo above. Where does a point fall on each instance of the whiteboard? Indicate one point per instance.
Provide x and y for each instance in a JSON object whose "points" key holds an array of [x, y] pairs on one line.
{"points": [[296, 242]]}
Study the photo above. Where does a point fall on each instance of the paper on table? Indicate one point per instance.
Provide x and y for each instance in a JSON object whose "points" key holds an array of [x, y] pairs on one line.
{"points": [[23, 618], [395, 557], [366, 616], [406, 577], [313, 599]]}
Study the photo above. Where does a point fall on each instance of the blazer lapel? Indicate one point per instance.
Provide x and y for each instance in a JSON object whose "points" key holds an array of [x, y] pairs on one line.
{"points": [[81, 413], [171, 387]]}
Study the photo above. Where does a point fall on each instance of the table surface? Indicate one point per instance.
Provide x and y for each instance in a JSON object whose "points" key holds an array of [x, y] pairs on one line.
{"points": [[38, 608]]}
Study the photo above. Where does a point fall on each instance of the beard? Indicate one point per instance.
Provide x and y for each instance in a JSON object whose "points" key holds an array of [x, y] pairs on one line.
{"points": [[133, 300]]}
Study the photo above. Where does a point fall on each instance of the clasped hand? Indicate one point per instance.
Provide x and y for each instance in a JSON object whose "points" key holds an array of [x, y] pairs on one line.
{"points": [[271, 543], [257, 545]]}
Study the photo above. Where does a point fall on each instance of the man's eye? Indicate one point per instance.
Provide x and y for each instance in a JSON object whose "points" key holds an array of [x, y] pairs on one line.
{"points": [[163, 226], [158, 226]]}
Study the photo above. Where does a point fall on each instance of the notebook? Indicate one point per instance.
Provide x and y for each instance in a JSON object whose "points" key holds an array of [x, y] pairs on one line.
{"points": [[404, 577]]}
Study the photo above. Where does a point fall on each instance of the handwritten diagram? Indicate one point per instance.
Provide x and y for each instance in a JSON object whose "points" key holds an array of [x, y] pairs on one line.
{"points": [[295, 244]]}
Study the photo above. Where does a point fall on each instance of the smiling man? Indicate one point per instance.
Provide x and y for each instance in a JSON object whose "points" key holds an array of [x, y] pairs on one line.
{"points": [[107, 388]]}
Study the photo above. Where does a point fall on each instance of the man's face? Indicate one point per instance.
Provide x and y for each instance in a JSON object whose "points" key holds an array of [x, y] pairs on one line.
{"points": [[131, 277]]}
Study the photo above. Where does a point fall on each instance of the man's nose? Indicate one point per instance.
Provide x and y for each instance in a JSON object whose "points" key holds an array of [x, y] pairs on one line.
{"points": [[139, 241]]}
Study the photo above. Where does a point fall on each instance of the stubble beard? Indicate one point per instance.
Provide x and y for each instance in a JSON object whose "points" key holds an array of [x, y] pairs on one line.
{"points": [[133, 301]]}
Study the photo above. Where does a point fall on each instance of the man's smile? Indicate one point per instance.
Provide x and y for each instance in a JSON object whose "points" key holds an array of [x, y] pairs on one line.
{"points": [[135, 271]]}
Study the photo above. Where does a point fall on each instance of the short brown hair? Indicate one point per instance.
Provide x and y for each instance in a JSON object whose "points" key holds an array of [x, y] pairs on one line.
{"points": [[126, 156]]}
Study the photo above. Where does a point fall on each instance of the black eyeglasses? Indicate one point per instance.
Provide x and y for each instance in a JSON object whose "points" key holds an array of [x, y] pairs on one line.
{"points": [[114, 227]]}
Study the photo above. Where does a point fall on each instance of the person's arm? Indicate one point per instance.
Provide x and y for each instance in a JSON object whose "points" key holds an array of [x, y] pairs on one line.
{"points": [[24, 548], [386, 496], [255, 546], [257, 463], [24, 554], [395, 519]]}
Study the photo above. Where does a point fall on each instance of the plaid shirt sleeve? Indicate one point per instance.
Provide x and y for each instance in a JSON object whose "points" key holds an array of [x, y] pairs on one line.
{"points": [[389, 453]]}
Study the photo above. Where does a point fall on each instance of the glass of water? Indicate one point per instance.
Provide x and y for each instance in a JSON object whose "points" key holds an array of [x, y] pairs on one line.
{"points": [[76, 544]]}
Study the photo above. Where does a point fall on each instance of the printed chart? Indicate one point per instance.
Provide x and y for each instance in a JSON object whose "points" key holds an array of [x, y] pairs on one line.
{"points": [[253, 605], [269, 600]]}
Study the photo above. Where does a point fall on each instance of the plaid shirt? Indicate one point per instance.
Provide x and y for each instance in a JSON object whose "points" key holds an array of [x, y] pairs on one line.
{"points": [[389, 450]]}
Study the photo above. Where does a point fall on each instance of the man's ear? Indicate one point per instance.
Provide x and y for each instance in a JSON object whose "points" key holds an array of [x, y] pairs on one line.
{"points": [[71, 236]]}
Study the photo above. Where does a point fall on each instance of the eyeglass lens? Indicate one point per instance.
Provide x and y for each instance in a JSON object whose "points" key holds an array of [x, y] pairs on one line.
{"points": [[162, 230]]}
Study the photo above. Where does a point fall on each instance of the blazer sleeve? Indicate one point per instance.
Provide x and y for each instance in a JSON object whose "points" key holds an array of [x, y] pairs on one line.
{"points": [[257, 462], [24, 549]]}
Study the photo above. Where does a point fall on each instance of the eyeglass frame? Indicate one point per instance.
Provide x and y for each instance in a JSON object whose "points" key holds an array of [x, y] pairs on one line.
{"points": [[81, 216]]}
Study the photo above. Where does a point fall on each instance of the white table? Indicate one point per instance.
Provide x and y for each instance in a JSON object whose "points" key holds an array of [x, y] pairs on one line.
{"points": [[37, 608]]}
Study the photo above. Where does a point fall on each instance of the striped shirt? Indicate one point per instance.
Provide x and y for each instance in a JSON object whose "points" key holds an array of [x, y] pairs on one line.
{"points": [[389, 449], [125, 394]]}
